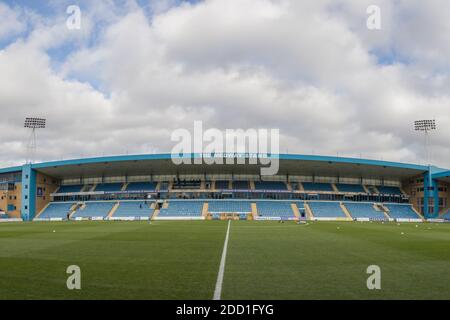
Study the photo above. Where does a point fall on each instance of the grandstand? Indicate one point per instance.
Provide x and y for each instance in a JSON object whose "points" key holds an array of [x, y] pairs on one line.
{"points": [[177, 253], [313, 187]]}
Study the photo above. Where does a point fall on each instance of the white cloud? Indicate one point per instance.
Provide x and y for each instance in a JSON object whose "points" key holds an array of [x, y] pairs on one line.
{"points": [[10, 21]]}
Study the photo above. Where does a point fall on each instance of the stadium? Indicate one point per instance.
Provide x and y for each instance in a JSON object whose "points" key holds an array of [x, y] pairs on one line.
{"points": [[195, 153], [355, 213]]}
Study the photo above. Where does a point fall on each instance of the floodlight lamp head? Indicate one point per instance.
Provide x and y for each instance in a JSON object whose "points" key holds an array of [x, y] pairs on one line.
{"points": [[424, 125], [35, 123]]}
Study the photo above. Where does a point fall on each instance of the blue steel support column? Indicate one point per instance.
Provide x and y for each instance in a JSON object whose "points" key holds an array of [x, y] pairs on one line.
{"points": [[426, 191], [436, 198], [28, 209]]}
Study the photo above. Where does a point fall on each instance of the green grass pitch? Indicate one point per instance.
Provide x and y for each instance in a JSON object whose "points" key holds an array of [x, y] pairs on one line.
{"points": [[265, 260]]}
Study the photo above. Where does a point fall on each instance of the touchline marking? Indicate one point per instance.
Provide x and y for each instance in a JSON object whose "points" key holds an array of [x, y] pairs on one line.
{"points": [[218, 290]]}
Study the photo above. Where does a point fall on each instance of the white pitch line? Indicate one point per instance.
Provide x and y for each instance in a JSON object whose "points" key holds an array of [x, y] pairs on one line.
{"points": [[218, 290]]}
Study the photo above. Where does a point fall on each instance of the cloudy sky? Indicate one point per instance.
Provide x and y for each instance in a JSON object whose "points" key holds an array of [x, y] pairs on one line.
{"points": [[137, 70]]}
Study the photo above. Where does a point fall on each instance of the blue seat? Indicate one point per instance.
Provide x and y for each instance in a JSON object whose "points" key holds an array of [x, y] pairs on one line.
{"points": [[183, 184], [164, 186], [364, 210], [70, 189], [390, 190], [309, 186], [56, 210], [241, 185], [141, 186], [326, 209], [270, 185], [133, 209], [300, 204], [229, 206], [280, 209], [182, 208], [401, 211], [446, 216], [355, 188], [109, 187], [94, 209], [222, 184]]}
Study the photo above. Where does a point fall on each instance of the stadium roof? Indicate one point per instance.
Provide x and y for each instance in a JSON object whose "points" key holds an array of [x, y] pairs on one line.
{"points": [[442, 176], [161, 164], [11, 170]]}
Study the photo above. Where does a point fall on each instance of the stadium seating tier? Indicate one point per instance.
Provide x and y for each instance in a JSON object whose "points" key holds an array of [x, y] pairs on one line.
{"points": [[390, 190], [141, 186], [229, 206], [241, 185], [309, 186], [281, 209], [401, 211], [69, 188], [364, 210], [270, 185], [182, 208], [326, 209], [56, 210], [222, 184], [109, 187], [133, 209], [94, 209], [355, 188]]}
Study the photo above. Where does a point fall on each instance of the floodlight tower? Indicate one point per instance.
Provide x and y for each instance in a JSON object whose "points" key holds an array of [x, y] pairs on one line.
{"points": [[429, 184], [33, 124], [425, 126]]}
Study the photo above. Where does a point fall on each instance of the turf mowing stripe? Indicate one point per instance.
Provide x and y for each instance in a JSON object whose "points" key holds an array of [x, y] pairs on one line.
{"points": [[218, 290]]}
